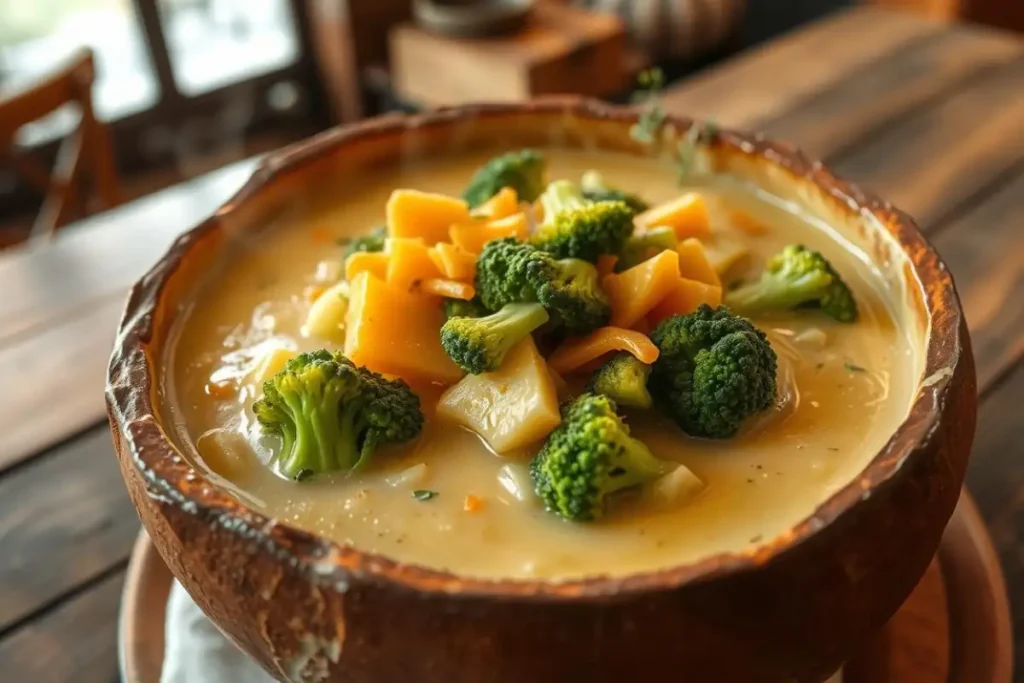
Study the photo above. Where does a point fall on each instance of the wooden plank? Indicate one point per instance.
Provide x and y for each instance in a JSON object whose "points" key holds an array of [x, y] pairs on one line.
{"points": [[910, 76], [984, 249], [54, 382], [76, 643], [931, 162], [63, 520], [764, 82], [100, 257]]}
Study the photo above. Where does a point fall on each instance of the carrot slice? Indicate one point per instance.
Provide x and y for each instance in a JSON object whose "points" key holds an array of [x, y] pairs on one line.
{"points": [[411, 213], [577, 352], [636, 291], [606, 264], [472, 503], [472, 236], [450, 289], [685, 298], [687, 215], [455, 262], [503, 204], [375, 262], [694, 263]]}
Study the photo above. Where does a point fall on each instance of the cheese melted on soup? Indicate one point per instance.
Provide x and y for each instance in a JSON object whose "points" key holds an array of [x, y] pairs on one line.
{"points": [[448, 501]]}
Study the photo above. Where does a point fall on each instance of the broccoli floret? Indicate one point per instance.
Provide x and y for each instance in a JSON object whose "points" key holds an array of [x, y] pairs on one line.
{"points": [[588, 457], [714, 371], [374, 241], [575, 227], [480, 344], [796, 277], [512, 272], [464, 309], [596, 190], [623, 379], [332, 415], [639, 246], [523, 171]]}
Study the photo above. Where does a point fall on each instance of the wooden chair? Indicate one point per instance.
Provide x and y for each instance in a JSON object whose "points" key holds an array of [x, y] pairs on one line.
{"points": [[85, 159]]}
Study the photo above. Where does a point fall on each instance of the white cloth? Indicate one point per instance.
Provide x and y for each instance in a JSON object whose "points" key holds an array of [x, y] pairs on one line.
{"points": [[195, 651]]}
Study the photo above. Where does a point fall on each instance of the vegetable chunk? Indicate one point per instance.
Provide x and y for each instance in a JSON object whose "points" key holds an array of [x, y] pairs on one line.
{"points": [[634, 292], [411, 213]]}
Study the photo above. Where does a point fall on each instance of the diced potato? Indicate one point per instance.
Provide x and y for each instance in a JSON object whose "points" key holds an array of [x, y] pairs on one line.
{"points": [[226, 453], [411, 213], [411, 477], [375, 262], [812, 338], [409, 262], [684, 298], [510, 408], [726, 253], [674, 489], [326, 317], [687, 215], [474, 235], [449, 289], [391, 330], [634, 292], [455, 262], [694, 264], [503, 204], [269, 363], [575, 353]]}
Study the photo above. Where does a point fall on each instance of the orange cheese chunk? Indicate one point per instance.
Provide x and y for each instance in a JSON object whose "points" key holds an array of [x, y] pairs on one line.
{"points": [[501, 205], [411, 213], [685, 298], [687, 215], [375, 262], [576, 353], [449, 289], [390, 330], [639, 289], [409, 262], [694, 263], [455, 262], [472, 236]]}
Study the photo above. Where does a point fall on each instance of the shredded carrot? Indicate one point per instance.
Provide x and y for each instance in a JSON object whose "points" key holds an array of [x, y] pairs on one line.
{"points": [[577, 352], [473, 503], [311, 293], [321, 234], [222, 390], [606, 264], [743, 221], [636, 291], [450, 289]]}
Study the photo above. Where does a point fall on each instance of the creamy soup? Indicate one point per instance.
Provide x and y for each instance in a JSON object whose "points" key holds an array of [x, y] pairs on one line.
{"points": [[844, 388]]}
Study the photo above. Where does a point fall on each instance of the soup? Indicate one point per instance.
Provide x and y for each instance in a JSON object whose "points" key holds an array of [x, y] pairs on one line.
{"points": [[447, 500]]}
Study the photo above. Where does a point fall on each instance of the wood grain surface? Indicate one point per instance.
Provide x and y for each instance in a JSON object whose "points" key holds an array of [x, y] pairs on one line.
{"points": [[930, 115]]}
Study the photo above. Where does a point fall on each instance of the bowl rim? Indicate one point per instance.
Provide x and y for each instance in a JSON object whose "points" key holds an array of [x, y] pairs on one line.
{"points": [[132, 384]]}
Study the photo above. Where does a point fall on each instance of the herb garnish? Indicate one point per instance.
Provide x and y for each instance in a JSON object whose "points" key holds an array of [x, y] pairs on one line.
{"points": [[424, 494], [851, 367]]}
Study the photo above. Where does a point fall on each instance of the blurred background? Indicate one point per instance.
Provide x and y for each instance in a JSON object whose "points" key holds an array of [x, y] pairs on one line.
{"points": [[180, 87]]}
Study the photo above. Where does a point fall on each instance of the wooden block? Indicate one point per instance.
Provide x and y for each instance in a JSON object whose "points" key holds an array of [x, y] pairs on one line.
{"points": [[563, 50]]}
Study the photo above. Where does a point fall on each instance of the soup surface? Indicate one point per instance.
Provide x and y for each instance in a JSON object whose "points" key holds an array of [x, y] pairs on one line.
{"points": [[844, 388]]}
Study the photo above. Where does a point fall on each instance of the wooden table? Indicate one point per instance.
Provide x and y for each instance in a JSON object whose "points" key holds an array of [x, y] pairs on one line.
{"points": [[929, 115]]}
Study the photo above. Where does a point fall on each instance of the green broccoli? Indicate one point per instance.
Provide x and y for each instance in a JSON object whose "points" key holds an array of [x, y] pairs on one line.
{"points": [[374, 241], [796, 277], [639, 246], [512, 272], [714, 371], [575, 227], [332, 415], [623, 379], [588, 457], [480, 344], [523, 171], [596, 190], [464, 309]]}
